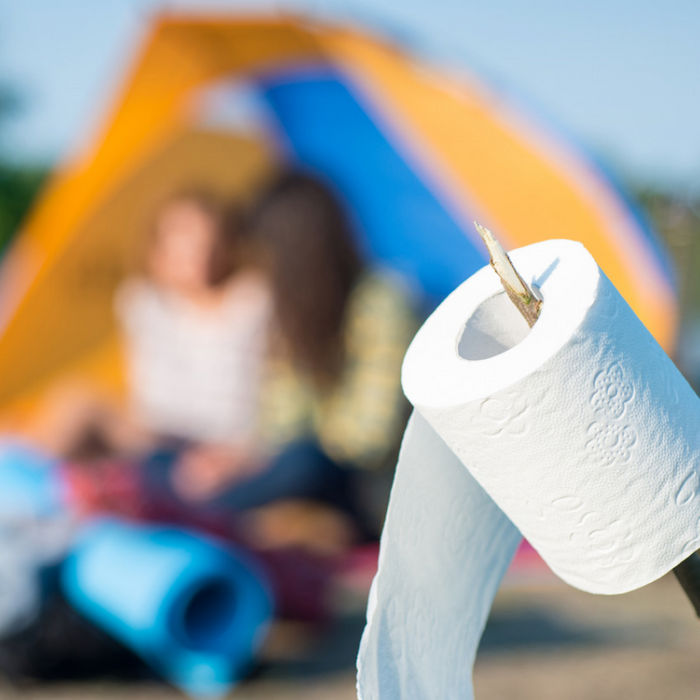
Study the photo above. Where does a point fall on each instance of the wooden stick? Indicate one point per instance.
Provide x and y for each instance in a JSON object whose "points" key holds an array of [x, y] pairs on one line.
{"points": [[516, 288], [688, 575]]}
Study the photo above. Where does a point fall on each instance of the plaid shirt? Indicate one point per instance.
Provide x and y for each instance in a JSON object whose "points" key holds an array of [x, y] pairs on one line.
{"points": [[360, 420]]}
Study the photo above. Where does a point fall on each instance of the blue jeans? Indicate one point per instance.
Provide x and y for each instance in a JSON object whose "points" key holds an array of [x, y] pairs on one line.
{"points": [[302, 471]]}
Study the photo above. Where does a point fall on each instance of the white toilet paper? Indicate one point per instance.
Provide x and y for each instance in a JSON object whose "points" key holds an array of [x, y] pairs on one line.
{"points": [[580, 429], [445, 548]]}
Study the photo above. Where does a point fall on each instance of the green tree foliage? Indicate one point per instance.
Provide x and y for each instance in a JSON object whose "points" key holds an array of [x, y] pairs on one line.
{"points": [[19, 184], [18, 189], [676, 217]]}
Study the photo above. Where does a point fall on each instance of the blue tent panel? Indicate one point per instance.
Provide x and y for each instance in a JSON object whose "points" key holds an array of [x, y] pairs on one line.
{"points": [[400, 221]]}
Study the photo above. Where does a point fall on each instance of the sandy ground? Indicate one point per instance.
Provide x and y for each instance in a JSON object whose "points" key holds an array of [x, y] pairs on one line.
{"points": [[544, 641]]}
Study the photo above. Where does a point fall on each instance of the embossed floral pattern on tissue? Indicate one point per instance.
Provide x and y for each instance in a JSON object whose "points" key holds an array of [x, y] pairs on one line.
{"points": [[612, 393], [611, 440], [611, 542], [687, 490], [611, 443], [501, 415]]}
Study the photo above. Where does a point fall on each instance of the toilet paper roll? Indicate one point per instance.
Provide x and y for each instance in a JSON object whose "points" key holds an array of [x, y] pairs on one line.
{"points": [[581, 429], [445, 548]]}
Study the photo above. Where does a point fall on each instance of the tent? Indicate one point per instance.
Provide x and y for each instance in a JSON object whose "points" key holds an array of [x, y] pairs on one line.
{"points": [[416, 154]]}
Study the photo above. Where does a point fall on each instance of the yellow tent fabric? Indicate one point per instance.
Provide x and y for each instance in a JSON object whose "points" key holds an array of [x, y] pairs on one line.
{"points": [[56, 283]]}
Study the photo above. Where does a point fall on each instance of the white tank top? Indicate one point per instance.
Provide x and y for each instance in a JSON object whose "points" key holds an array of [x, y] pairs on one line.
{"points": [[196, 373]]}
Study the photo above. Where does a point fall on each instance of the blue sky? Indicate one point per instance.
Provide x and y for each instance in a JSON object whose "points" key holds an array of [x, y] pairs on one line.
{"points": [[622, 75]]}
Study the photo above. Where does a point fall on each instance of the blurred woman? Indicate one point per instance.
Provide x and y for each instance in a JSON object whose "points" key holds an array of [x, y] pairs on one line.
{"points": [[195, 328], [194, 324]]}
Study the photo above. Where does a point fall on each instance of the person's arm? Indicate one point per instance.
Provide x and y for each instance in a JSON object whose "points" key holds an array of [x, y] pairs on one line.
{"points": [[361, 422], [285, 411], [205, 470]]}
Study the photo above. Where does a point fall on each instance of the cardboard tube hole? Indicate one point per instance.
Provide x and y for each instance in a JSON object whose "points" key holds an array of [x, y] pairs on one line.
{"points": [[494, 327]]}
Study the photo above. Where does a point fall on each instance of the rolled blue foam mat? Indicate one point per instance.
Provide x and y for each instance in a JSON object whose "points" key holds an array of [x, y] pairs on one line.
{"points": [[194, 610], [30, 482]]}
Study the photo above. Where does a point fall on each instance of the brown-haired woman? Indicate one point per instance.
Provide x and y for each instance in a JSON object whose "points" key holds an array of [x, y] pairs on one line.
{"points": [[340, 330]]}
